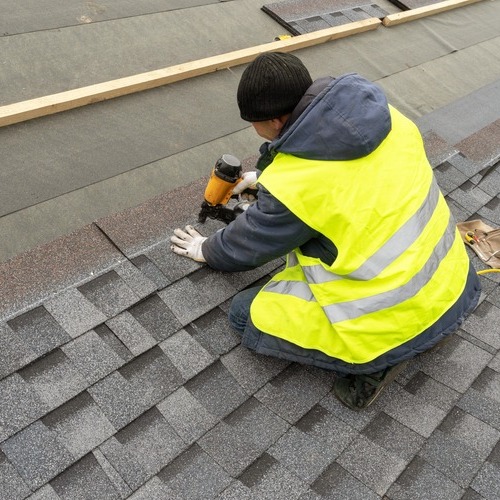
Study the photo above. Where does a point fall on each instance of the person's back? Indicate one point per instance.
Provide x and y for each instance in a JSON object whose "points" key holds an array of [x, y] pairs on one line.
{"points": [[376, 270]]}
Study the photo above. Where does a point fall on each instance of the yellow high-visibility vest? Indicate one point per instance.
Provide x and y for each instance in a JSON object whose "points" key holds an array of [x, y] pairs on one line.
{"points": [[401, 262]]}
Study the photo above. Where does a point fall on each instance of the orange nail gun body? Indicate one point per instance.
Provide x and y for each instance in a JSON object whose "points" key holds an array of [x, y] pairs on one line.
{"points": [[225, 175]]}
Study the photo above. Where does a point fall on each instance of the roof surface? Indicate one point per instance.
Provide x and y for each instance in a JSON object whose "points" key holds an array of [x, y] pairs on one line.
{"points": [[120, 376]]}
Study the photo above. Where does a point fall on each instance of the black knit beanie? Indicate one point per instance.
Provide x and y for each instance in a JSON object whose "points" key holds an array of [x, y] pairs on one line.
{"points": [[271, 86]]}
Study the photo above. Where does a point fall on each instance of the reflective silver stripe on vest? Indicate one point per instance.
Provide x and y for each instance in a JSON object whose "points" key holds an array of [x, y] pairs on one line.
{"points": [[292, 260], [299, 289], [399, 242], [356, 308]]}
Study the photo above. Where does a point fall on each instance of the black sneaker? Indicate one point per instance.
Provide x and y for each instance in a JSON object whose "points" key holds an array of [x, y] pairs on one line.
{"points": [[360, 391]]}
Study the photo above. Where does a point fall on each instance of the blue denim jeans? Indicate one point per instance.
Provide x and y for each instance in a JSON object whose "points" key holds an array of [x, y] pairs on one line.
{"points": [[239, 317]]}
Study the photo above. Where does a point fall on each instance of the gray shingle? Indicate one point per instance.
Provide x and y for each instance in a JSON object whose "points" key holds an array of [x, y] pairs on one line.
{"points": [[470, 196], [491, 212], [488, 383], [186, 354], [470, 494], [487, 481], [421, 481], [134, 336], [431, 391], [472, 432], [85, 479], [478, 343], [152, 375], [324, 426], [107, 336], [74, 312], [494, 364], [448, 177], [39, 331], [92, 357], [80, 425], [452, 457], [109, 293], [459, 213], [494, 293], [251, 370], [292, 393], [256, 423], [186, 415], [371, 464], [336, 483], [436, 148], [151, 271], [304, 455], [141, 285], [15, 353], [490, 182], [116, 480], [482, 323], [143, 448], [37, 454], [20, 405], [494, 456], [456, 365], [12, 486], [412, 411], [195, 475], [54, 379], [156, 318], [481, 406], [217, 390], [465, 165], [191, 297], [396, 438], [214, 332], [120, 400], [233, 452], [356, 419], [236, 491], [170, 264], [267, 478], [154, 489], [45, 493]]}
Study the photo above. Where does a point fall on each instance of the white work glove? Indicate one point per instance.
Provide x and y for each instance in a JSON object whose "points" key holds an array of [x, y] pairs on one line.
{"points": [[249, 181], [188, 243]]}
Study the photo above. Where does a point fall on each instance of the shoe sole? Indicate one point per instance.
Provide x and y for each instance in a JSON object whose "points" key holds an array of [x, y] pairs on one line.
{"points": [[389, 378]]}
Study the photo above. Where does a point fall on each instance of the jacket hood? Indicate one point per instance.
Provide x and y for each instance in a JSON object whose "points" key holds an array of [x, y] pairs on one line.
{"points": [[337, 119]]}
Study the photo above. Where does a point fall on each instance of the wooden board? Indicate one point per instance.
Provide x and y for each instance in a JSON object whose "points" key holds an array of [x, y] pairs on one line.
{"points": [[63, 101], [428, 10]]}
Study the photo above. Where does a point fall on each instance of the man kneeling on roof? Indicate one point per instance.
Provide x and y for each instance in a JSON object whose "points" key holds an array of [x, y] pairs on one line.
{"points": [[376, 271]]}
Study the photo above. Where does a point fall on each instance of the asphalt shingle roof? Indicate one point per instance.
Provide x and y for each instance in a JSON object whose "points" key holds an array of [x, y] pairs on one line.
{"points": [[121, 377]]}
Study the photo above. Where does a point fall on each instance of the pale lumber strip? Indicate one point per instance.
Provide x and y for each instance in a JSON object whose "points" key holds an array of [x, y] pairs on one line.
{"points": [[42, 106], [427, 10]]}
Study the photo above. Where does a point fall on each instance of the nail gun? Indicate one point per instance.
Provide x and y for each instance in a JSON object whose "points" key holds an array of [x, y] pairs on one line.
{"points": [[224, 177]]}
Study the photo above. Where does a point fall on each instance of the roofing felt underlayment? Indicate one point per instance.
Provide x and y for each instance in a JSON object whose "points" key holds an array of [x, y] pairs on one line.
{"points": [[121, 377]]}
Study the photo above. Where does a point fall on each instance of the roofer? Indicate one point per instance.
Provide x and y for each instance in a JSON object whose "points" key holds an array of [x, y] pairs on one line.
{"points": [[376, 271]]}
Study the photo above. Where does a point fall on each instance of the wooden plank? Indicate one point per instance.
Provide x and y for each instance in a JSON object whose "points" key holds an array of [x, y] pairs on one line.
{"points": [[428, 10], [63, 101]]}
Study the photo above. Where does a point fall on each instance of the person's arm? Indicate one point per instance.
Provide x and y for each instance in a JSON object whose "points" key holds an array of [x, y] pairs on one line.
{"points": [[265, 231]]}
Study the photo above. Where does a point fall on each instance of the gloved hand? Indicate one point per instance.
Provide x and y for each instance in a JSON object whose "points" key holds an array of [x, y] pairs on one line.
{"points": [[188, 243], [249, 181]]}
